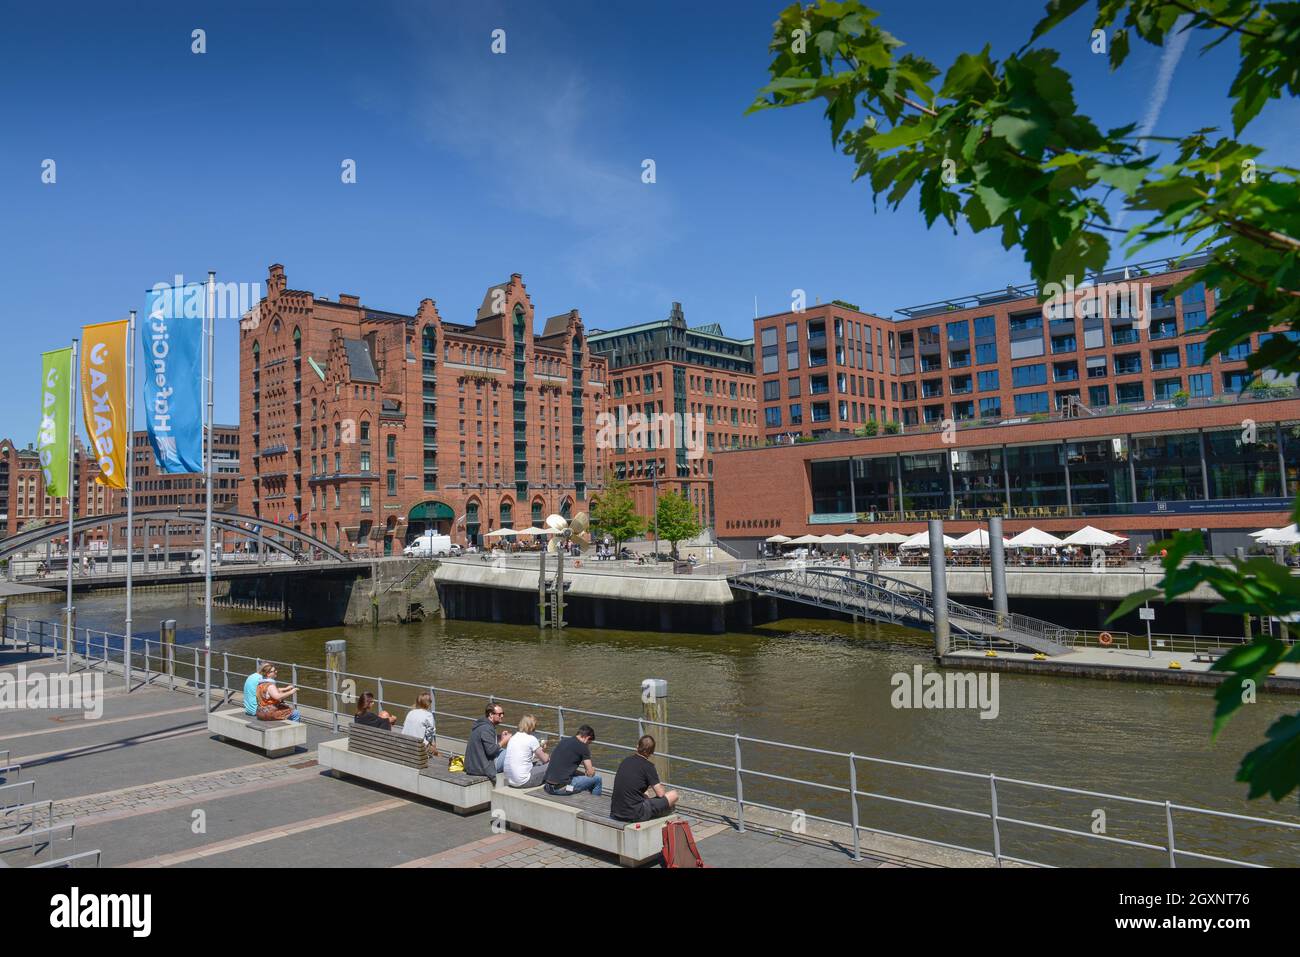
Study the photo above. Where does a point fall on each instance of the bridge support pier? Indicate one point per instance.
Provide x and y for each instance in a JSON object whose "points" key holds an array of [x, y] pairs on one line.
{"points": [[598, 612], [719, 619], [665, 617], [998, 568]]}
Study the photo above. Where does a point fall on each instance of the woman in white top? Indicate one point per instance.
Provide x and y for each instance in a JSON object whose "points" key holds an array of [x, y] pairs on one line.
{"points": [[523, 748], [420, 723]]}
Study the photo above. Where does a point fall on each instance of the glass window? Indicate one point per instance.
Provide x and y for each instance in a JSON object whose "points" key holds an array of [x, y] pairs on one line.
{"points": [[986, 353], [772, 415], [792, 388], [959, 331], [1234, 382], [1023, 376], [1242, 469], [1239, 352], [1194, 293], [796, 413], [1168, 467], [771, 390], [991, 408], [1201, 385], [1029, 403], [985, 326], [1098, 396], [1165, 388], [1196, 353], [988, 381], [1129, 392]]}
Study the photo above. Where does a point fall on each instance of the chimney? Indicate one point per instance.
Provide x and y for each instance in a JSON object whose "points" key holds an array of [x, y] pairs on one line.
{"points": [[347, 300]]}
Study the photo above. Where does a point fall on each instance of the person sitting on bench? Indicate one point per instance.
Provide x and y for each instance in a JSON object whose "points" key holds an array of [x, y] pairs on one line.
{"points": [[419, 723], [638, 795], [270, 699], [367, 716], [250, 692], [521, 750], [485, 751], [562, 775]]}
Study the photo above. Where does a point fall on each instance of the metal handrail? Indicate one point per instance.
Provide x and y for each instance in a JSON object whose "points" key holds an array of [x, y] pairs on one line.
{"points": [[149, 649]]}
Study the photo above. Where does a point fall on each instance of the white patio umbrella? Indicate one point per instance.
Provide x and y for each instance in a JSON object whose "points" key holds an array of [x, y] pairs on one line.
{"points": [[886, 538], [534, 530], [1033, 538], [778, 539], [501, 533], [922, 540], [979, 538], [847, 538], [805, 540], [1090, 537], [1280, 536]]}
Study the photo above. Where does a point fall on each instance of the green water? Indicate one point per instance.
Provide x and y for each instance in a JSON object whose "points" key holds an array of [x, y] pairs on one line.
{"points": [[827, 685]]}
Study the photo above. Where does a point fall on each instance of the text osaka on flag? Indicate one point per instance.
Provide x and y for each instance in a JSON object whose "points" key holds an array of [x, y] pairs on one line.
{"points": [[104, 398]]}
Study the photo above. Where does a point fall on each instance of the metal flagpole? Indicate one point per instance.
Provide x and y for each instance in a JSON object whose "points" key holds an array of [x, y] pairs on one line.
{"points": [[130, 469], [69, 614], [207, 472]]}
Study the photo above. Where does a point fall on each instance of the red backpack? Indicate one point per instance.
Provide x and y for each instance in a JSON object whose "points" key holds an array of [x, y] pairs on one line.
{"points": [[679, 846]]}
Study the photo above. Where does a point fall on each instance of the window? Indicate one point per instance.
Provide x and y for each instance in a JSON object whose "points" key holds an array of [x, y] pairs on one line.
{"points": [[1065, 372], [989, 381], [1063, 344], [961, 384], [1195, 354], [986, 353], [1030, 403], [1130, 363], [769, 349], [1096, 367], [1200, 385], [1194, 294], [390, 446], [1165, 388], [365, 461], [772, 416], [1098, 396], [1234, 382], [392, 482], [365, 431], [792, 389], [796, 413], [1193, 319], [1162, 359], [1023, 376], [991, 408], [1238, 352], [959, 331], [771, 390], [1026, 322], [1129, 392]]}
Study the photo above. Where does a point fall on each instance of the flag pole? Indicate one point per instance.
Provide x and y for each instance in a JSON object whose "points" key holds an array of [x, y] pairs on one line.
{"points": [[69, 613], [130, 475], [207, 524]]}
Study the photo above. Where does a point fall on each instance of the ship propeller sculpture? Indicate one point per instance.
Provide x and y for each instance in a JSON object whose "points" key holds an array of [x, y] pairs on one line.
{"points": [[566, 532], [563, 534]]}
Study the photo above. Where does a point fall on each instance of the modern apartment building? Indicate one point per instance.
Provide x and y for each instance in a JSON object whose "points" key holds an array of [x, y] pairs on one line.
{"points": [[365, 427], [698, 381], [1120, 340]]}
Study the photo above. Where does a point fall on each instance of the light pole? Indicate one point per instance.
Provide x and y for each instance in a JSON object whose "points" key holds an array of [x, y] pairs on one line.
{"points": [[654, 502]]}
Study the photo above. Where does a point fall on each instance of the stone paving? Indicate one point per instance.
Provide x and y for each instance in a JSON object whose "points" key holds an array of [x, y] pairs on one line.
{"points": [[148, 786]]}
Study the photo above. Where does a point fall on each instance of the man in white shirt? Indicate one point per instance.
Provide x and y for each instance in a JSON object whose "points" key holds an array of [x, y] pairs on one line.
{"points": [[522, 749]]}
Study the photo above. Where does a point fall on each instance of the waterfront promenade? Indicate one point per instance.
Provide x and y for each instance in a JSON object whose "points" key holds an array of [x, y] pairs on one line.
{"points": [[140, 780]]}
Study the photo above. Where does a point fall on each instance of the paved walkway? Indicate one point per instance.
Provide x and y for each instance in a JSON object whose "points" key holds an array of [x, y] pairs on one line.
{"points": [[148, 786]]}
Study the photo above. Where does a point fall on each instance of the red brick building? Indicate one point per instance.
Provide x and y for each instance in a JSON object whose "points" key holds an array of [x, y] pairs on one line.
{"points": [[702, 380], [365, 427]]}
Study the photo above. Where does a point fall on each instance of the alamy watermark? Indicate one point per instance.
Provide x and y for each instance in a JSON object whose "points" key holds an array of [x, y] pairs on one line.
{"points": [[946, 690], [54, 690], [1123, 299], [647, 431], [179, 299]]}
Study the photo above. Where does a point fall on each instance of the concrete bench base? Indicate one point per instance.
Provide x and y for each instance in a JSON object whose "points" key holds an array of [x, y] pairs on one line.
{"points": [[276, 738], [463, 793], [580, 818]]}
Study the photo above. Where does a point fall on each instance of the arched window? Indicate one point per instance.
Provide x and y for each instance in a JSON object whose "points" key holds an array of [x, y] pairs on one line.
{"points": [[566, 509], [537, 512], [519, 323], [297, 343], [507, 515], [429, 340], [257, 355]]}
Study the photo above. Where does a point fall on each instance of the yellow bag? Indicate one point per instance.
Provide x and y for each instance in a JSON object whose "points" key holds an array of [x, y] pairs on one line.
{"points": [[457, 764]]}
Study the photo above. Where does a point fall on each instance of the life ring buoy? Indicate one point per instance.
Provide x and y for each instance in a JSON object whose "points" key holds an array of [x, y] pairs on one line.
{"points": [[1105, 638], [577, 563]]}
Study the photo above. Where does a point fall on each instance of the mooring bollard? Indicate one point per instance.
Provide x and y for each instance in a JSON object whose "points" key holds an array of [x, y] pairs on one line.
{"points": [[336, 663], [654, 712], [167, 638]]}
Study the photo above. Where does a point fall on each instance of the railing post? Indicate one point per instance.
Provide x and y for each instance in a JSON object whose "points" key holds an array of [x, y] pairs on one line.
{"points": [[853, 795], [379, 692], [1169, 828], [997, 834], [167, 638], [126, 662], [740, 790], [560, 712], [225, 676]]}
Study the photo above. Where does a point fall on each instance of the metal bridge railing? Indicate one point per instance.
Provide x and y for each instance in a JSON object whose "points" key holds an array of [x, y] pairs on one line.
{"points": [[978, 813]]}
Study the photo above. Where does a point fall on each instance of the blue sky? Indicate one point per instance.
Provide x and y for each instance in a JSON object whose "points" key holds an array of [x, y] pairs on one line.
{"points": [[472, 166]]}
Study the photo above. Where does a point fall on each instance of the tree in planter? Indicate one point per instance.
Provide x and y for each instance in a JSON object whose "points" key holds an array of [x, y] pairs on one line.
{"points": [[872, 428], [1181, 398], [892, 428], [615, 513], [675, 516], [1001, 145]]}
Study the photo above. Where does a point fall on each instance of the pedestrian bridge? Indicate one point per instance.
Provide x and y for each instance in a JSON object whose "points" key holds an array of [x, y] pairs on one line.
{"points": [[896, 602]]}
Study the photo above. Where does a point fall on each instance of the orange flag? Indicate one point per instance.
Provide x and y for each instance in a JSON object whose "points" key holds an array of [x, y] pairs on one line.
{"points": [[103, 396]]}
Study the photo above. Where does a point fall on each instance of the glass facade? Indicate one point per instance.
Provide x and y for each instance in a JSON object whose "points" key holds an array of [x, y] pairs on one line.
{"points": [[1097, 476]]}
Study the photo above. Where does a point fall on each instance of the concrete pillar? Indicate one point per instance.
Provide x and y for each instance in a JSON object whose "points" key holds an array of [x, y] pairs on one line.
{"points": [[336, 663], [719, 619], [541, 588], [746, 611], [598, 612], [998, 566], [939, 587], [654, 712]]}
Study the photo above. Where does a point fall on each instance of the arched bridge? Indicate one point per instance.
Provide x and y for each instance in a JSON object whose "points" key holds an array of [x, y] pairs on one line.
{"points": [[272, 533], [897, 602]]}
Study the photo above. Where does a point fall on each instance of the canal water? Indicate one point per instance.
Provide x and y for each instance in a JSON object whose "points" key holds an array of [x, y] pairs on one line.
{"points": [[827, 685]]}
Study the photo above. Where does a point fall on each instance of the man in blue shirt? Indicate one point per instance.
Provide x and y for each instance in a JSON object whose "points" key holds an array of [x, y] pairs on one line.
{"points": [[250, 691]]}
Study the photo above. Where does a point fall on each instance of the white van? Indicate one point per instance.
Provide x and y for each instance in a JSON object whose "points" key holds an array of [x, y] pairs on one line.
{"points": [[430, 545]]}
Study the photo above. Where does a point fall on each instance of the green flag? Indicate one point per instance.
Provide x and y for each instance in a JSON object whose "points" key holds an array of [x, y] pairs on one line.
{"points": [[54, 439]]}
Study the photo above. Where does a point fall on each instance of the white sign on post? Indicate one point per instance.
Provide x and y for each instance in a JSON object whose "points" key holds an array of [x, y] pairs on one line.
{"points": [[1147, 614]]}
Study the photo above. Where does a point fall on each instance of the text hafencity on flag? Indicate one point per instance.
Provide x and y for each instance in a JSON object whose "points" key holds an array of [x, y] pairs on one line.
{"points": [[171, 349], [104, 398], [53, 438]]}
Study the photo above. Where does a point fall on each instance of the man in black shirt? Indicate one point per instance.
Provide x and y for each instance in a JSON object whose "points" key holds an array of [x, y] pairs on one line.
{"points": [[636, 776], [562, 775]]}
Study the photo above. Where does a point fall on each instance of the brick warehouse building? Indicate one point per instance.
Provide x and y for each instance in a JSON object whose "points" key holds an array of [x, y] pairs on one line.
{"points": [[365, 427], [1113, 419], [668, 368]]}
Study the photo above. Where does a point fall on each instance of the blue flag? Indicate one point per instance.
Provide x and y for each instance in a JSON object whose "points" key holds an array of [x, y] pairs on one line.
{"points": [[171, 346]]}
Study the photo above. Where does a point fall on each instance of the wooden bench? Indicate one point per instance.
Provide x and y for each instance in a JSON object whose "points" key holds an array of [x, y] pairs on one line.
{"points": [[582, 818], [1212, 655], [276, 738], [400, 761]]}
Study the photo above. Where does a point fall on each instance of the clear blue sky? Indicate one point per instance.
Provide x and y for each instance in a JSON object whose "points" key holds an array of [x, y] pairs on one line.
{"points": [[472, 166]]}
